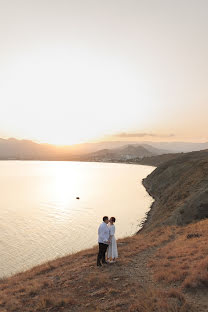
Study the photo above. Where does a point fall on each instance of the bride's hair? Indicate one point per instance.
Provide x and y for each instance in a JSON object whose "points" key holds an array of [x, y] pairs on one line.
{"points": [[113, 219]]}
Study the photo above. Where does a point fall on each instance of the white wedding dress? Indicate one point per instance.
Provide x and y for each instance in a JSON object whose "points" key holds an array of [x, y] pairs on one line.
{"points": [[112, 248]]}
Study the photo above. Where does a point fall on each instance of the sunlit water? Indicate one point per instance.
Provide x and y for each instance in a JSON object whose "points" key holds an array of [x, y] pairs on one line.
{"points": [[41, 219]]}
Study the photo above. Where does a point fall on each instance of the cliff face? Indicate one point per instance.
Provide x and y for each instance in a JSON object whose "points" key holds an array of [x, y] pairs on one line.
{"points": [[180, 190]]}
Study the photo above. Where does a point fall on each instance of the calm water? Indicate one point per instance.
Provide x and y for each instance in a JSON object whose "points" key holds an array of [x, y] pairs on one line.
{"points": [[41, 219]]}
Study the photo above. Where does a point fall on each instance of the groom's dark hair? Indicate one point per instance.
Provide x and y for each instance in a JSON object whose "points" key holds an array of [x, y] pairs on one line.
{"points": [[105, 218]]}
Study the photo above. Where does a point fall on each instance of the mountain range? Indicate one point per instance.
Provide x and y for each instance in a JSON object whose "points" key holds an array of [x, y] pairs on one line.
{"points": [[170, 147], [101, 151]]}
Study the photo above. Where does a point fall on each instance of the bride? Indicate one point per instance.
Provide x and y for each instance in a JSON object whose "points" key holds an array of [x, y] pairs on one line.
{"points": [[112, 252]]}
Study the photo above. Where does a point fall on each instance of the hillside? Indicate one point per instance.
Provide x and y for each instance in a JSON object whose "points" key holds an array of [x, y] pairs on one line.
{"points": [[180, 189]]}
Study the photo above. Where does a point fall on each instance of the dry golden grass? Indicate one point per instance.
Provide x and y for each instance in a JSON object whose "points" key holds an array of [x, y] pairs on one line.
{"points": [[184, 260], [74, 283]]}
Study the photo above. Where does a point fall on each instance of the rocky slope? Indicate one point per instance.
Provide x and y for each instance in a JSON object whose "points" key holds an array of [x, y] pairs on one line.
{"points": [[180, 190]]}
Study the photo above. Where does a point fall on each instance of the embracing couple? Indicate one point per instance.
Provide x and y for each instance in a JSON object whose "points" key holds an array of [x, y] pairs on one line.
{"points": [[107, 242]]}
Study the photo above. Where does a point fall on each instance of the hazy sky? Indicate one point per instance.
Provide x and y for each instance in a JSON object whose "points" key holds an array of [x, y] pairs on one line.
{"points": [[72, 70]]}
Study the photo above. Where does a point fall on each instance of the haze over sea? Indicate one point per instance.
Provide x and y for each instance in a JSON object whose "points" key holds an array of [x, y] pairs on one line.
{"points": [[41, 219]]}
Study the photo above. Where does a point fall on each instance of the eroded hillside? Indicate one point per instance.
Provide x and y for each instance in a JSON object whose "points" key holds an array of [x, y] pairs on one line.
{"points": [[180, 190]]}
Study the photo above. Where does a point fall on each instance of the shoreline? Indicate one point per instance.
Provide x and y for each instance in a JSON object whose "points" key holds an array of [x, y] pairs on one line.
{"points": [[81, 161], [150, 213]]}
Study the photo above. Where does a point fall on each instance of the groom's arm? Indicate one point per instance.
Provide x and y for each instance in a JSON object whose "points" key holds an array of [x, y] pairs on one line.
{"points": [[106, 235]]}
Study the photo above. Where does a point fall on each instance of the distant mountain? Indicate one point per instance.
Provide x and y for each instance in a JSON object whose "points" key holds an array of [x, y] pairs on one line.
{"points": [[29, 150], [123, 153], [23, 149], [177, 147], [164, 147], [154, 150], [86, 148]]}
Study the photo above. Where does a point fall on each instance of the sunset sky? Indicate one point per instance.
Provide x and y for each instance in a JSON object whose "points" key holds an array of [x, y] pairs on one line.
{"points": [[80, 70]]}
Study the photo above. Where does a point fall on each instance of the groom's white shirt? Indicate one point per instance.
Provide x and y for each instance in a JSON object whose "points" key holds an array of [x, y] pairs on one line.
{"points": [[103, 233]]}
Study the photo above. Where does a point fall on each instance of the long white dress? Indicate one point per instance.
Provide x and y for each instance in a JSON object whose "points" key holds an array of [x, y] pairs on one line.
{"points": [[112, 248]]}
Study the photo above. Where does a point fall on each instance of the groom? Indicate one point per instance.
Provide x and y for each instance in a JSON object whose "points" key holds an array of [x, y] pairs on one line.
{"points": [[103, 241]]}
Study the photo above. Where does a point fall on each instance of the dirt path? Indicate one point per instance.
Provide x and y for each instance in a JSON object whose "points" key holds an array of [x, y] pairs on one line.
{"points": [[137, 269]]}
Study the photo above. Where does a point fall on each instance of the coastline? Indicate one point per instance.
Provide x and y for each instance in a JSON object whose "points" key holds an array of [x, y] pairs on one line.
{"points": [[150, 213]]}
